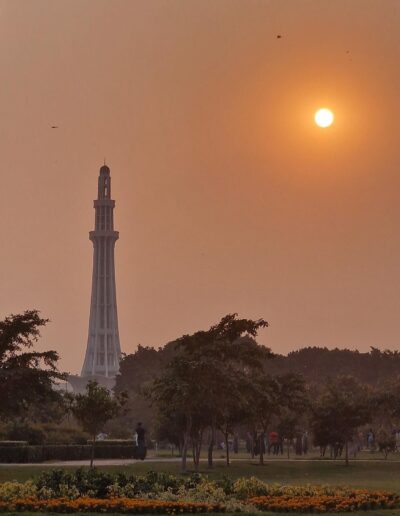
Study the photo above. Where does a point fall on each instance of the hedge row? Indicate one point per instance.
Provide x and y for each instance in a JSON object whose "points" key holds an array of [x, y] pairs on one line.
{"points": [[112, 442], [13, 443], [63, 452]]}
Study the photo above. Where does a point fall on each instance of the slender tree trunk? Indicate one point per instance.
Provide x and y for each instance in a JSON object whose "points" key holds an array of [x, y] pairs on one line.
{"points": [[199, 445], [184, 452], [288, 448], [347, 453], [227, 448], [261, 438], [253, 443], [197, 442], [194, 452], [211, 446], [92, 451]]}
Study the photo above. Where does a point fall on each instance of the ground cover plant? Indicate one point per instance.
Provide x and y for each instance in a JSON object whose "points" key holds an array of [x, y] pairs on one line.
{"points": [[98, 491]]}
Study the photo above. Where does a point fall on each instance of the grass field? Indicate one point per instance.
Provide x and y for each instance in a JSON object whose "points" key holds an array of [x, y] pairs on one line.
{"points": [[368, 474]]}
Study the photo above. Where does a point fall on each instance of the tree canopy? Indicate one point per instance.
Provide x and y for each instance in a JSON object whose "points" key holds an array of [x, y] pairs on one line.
{"points": [[27, 377]]}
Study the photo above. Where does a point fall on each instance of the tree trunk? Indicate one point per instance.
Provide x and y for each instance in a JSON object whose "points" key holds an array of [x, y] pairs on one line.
{"points": [[199, 445], [227, 448], [184, 452], [288, 448], [92, 451], [261, 438], [197, 442], [211, 447], [347, 453], [253, 442], [194, 452]]}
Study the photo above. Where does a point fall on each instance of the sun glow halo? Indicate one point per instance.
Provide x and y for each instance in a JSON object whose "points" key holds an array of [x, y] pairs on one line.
{"points": [[324, 117]]}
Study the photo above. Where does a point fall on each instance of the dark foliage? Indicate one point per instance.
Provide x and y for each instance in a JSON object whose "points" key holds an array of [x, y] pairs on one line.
{"points": [[26, 377], [97, 482]]}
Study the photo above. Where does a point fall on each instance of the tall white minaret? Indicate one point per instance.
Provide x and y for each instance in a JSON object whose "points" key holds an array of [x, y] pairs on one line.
{"points": [[103, 350]]}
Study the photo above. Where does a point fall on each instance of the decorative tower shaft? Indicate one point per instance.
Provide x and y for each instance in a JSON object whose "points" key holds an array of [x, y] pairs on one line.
{"points": [[103, 350]]}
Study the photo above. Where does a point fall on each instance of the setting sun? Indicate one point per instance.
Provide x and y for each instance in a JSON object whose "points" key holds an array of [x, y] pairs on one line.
{"points": [[324, 117]]}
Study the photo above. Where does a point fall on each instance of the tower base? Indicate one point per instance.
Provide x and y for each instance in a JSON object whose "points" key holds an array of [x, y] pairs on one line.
{"points": [[78, 383]]}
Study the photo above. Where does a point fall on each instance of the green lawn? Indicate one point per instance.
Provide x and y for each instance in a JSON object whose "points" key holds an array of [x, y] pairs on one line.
{"points": [[368, 474]]}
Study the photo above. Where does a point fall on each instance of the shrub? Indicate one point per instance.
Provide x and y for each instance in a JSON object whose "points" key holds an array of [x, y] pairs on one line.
{"points": [[245, 487], [81, 482], [12, 490]]}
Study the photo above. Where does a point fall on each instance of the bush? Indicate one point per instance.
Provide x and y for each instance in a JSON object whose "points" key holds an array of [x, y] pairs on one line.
{"points": [[96, 483], [245, 487], [83, 482], [12, 490]]}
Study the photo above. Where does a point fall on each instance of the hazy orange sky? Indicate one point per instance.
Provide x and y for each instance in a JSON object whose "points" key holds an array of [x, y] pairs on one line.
{"points": [[229, 198]]}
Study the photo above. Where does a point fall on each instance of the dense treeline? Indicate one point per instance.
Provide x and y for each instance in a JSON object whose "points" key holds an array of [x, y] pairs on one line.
{"points": [[315, 364], [221, 380], [319, 364], [211, 388]]}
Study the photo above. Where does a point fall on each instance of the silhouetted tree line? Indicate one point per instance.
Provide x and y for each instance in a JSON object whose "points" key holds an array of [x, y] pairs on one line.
{"points": [[214, 384], [221, 381]]}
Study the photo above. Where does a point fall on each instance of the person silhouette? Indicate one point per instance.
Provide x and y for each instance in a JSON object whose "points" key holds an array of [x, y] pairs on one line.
{"points": [[141, 441]]}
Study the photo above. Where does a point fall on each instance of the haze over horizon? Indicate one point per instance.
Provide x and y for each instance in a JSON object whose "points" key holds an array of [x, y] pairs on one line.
{"points": [[228, 197]]}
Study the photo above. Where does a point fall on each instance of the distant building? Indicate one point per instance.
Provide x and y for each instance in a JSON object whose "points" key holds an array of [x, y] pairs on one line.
{"points": [[103, 351]]}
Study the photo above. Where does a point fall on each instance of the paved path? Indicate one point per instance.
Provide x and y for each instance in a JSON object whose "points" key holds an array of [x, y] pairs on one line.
{"points": [[127, 462]]}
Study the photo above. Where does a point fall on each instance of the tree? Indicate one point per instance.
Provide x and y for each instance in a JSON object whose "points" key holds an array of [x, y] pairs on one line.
{"points": [[178, 396], [136, 373], [288, 429], [94, 408], [27, 378], [199, 384], [386, 414], [271, 396], [228, 353], [342, 408]]}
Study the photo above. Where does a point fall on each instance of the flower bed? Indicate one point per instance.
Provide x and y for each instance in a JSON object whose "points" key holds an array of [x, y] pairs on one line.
{"points": [[341, 502], [96, 491], [106, 505]]}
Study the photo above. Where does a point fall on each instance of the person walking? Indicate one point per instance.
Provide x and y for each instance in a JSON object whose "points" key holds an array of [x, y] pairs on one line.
{"points": [[141, 441]]}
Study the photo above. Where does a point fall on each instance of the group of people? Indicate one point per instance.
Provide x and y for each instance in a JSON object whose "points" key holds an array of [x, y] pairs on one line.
{"points": [[273, 443]]}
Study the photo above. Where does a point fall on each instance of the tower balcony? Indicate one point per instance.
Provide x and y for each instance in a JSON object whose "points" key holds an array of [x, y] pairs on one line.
{"points": [[99, 234]]}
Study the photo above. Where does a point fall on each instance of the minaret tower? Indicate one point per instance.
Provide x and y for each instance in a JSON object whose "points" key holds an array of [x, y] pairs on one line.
{"points": [[103, 350]]}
